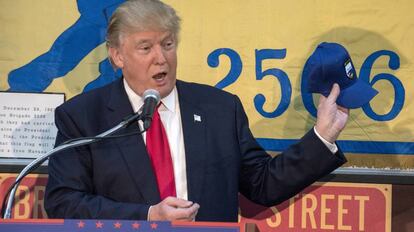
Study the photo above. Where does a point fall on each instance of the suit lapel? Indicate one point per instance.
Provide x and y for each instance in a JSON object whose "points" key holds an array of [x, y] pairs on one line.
{"points": [[132, 148], [194, 121]]}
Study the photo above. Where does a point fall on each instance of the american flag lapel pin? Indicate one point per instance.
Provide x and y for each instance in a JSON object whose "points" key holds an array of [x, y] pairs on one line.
{"points": [[197, 118]]}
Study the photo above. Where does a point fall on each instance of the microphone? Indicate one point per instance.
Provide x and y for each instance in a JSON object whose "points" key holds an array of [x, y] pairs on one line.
{"points": [[151, 100]]}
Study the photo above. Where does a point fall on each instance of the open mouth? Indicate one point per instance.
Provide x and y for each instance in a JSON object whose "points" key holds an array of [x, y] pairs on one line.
{"points": [[160, 76]]}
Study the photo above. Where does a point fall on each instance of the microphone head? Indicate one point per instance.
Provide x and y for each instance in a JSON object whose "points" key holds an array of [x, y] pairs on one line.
{"points": [[152, 93], [151, 100]]}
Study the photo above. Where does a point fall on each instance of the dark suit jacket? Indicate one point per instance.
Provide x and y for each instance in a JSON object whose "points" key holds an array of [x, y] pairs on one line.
{"points": [[114, 178]]}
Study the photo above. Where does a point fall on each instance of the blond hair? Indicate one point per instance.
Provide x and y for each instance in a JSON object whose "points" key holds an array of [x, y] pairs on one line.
{"points": [[141, 15]]}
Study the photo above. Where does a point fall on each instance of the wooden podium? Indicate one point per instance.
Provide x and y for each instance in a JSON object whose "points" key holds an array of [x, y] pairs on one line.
{"points": [[79, 225]]}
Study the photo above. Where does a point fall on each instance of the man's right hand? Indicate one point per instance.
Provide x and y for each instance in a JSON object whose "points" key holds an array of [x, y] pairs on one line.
{"points": [[173, 209]]}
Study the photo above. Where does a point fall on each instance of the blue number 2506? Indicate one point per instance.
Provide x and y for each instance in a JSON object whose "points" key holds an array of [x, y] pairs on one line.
{"points": [[286, 89]]}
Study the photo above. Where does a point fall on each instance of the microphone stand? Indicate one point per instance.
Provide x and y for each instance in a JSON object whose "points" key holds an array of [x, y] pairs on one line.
{"points": [[38, 161]]}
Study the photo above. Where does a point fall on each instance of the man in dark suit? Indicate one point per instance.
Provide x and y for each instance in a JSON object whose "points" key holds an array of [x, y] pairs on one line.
{"points": [[213, 153]]}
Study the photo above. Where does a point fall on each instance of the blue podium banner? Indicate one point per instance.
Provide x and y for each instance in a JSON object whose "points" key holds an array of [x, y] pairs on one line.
{"points": [[114, 226]]}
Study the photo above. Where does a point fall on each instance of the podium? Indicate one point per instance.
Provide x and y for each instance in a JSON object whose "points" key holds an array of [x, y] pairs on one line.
{"points": [[80, 225]]}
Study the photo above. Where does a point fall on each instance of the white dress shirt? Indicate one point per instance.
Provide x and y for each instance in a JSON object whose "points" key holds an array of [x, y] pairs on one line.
{"points": [[170, 116], [331, 146]]}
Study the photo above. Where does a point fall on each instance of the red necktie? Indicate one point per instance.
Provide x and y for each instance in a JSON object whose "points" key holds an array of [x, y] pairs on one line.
{"points": [[160, 155]]}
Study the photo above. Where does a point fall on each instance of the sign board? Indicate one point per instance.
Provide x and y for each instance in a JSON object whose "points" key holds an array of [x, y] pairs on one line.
{"points": [[27, 128]]}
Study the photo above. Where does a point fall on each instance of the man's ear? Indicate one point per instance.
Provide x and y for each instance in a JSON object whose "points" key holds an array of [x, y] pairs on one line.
{"points": [[115, 57]]}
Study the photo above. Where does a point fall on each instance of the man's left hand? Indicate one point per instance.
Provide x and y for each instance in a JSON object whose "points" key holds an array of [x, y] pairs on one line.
{"points": [[331, 118]]}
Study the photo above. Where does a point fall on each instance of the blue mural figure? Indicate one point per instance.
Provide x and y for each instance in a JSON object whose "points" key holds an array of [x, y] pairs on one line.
{"points": [[69, 49]]}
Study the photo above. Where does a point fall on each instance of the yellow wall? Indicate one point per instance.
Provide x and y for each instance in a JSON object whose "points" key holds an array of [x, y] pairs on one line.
{"points": [[29, 28]]}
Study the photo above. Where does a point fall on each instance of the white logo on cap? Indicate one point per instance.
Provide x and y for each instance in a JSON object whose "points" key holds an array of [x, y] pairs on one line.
{"points": [[348, 69]]}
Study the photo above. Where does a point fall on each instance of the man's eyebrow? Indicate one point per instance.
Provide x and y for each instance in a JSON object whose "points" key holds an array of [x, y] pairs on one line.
{"points": [[142, 41], [168, 36]]}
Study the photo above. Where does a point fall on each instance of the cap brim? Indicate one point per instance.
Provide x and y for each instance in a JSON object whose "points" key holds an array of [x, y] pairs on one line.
{"points": [[356, 95]]}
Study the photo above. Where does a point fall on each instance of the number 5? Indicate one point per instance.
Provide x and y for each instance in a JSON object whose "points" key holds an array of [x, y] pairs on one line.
{"points": [[286, 88]]}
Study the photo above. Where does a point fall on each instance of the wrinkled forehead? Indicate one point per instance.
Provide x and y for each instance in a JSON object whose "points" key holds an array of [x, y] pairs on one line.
{"points": [[149, 35], [154, 36]]}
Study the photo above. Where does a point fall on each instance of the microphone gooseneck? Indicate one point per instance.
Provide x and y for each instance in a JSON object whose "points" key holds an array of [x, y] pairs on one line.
{"points": [[8, 201], [151, 100]]}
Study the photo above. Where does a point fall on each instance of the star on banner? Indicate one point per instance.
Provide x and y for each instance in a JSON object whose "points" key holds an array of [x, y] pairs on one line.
{"points": [[81, 224], [135, 225], [117, 225], [154, 226], [99, 224]]}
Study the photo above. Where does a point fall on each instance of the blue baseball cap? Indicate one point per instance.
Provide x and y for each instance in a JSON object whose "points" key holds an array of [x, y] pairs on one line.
{"points": [[330, 63]]}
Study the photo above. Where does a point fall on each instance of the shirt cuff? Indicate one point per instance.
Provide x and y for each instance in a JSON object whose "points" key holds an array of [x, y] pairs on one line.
{"points": [[331, 146], [149, 210]]}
